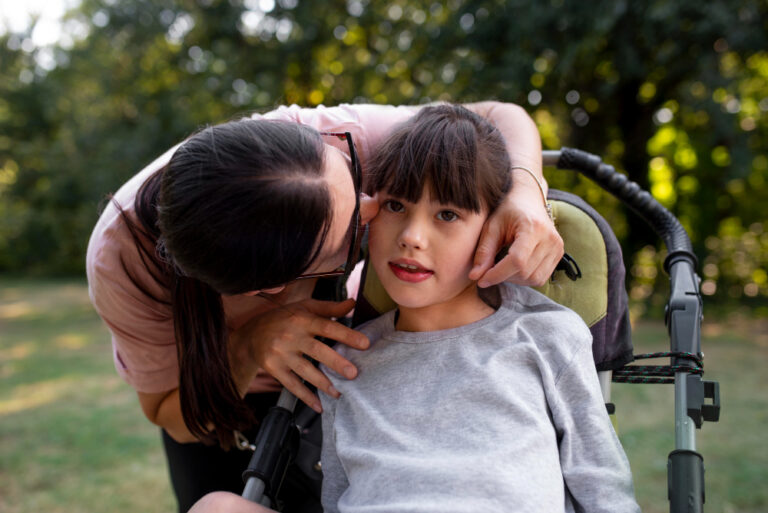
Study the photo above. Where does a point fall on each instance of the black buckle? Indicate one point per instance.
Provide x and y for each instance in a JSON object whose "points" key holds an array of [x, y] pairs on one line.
{"points": [[568, 265]]}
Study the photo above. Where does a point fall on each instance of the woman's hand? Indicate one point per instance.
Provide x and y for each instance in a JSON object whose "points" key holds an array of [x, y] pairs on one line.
{"points": [[279, 341], [535, 246], [521, 222]]}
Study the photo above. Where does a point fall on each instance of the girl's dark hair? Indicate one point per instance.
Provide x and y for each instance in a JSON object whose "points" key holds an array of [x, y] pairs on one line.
{"points": [[460, 155], [240, 206]]}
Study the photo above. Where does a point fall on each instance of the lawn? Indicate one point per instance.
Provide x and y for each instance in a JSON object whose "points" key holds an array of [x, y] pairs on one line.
{"points": [[73, 439], [72, 435]]}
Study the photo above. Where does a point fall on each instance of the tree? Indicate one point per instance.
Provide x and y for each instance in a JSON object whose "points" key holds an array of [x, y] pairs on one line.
{"points": [[669, 92]]}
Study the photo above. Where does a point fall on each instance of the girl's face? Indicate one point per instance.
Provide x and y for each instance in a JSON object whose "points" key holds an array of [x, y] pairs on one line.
{"points": [[423, 252]]}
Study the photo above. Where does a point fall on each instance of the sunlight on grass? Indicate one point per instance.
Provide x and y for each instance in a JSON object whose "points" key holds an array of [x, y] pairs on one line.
{"points": [[17, 351], [71, 341], [15, 310], [38, 394], [734, 452]]}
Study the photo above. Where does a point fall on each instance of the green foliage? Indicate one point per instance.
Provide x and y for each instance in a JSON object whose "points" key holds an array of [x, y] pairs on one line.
{"points": [[675, 94]]}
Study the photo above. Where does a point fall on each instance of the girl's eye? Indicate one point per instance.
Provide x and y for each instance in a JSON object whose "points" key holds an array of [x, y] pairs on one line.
{"points": [[447, 215], [394, 206]]}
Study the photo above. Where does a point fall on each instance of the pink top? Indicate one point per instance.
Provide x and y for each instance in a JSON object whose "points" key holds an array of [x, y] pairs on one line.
{"points": [[142, 329]]}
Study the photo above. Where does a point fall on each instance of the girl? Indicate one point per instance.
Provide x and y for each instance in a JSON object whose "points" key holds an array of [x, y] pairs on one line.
{"points": [[468, 399]]}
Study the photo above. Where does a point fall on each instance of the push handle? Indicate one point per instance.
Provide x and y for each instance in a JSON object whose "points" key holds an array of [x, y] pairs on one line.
{"points": [[663, 222]]}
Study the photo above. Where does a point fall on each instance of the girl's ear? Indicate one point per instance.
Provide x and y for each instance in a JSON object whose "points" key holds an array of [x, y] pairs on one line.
{"points": [[273, 290]]}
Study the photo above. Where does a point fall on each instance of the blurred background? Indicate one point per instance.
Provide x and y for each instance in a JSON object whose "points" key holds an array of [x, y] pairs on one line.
{"points": [[672, 93]]}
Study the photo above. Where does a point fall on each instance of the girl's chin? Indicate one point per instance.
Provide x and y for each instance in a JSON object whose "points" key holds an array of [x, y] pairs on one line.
{"points": [[405, 301]]}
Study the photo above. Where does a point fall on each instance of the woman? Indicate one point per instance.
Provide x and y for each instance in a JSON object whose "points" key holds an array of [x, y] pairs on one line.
{"points": [[203, 267]]}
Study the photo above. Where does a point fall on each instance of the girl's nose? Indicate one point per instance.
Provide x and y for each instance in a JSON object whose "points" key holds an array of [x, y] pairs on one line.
{"points": [[369, 207], [412, 235]]}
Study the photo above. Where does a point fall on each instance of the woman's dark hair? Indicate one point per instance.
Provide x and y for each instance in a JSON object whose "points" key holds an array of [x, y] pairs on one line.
{"points": [[457, 153], [240, 206]]}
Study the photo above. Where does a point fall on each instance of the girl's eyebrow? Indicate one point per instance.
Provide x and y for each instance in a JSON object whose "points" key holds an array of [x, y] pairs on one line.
{"points": [[452, 206]]}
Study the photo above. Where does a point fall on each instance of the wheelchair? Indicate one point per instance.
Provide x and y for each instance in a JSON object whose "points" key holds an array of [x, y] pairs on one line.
{"points": [[590, 281]]}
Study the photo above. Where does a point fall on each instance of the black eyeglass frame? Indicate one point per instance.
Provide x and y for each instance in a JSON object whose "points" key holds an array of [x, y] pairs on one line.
{"points": [[357, 181]]}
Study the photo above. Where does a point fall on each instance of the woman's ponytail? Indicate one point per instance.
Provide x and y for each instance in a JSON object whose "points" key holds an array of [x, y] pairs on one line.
{"points": [[210, 403]]}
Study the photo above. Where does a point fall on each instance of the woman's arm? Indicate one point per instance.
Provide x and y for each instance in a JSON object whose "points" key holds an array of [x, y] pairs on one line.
{"points": [[522, 220], [164, 409]]}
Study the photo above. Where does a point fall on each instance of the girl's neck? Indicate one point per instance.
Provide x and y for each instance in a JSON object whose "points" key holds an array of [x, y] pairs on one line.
{"points": [[465, 308]]}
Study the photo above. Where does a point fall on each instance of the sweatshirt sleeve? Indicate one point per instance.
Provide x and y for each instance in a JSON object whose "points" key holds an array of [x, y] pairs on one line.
{"points": [[334, 478], [594, 465]]}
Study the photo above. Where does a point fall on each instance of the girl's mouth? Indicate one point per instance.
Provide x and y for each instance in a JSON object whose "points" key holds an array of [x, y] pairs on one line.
{"points": [[409, 271]]}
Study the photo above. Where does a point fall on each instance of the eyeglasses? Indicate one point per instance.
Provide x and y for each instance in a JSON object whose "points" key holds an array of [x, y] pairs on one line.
{"points": [[354, 248]]}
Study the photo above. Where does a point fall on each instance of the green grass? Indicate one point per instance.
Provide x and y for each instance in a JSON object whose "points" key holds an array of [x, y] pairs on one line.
{"points": [[73, 438], [72, 435]]}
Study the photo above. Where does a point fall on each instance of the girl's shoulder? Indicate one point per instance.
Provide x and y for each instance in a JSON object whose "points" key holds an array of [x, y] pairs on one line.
{"points": [[549, 322]]}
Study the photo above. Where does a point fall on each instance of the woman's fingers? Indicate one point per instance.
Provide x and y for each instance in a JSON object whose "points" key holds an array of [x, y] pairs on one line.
{"points": [[297, 368], [491, 238], [294, 385], [528, 262], [322, 327], [328, 309], [331, 359], [548, 260], [339, 333], [535, 246], [513, 266]]}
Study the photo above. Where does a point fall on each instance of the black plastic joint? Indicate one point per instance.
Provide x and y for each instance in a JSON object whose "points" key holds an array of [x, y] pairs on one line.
{"points": [[711, 412], [696, 393], [685, 481], [680, 254]]}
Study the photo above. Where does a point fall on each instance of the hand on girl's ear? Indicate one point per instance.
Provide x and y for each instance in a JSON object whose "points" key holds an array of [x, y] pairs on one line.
{"points": [[535, 248]]}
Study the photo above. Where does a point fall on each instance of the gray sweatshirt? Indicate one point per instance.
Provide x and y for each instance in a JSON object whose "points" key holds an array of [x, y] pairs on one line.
{"points": [[504, 414]]}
